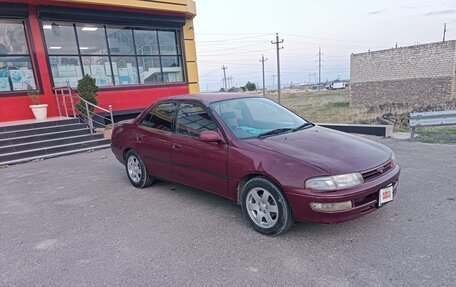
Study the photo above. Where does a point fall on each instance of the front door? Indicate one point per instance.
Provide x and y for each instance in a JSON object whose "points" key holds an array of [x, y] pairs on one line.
{"points": [[153, 139], [199, 164]]}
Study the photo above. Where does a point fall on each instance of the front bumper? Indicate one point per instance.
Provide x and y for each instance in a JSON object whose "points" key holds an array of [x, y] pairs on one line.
{"points": [[364, 198]]}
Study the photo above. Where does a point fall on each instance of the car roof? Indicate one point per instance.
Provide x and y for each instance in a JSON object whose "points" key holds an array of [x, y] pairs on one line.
{"points": [[208, 98]]}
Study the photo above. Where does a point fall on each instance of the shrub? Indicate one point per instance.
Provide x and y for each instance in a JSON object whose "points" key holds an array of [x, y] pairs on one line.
{"points": [[87, 89], [250, 86]]}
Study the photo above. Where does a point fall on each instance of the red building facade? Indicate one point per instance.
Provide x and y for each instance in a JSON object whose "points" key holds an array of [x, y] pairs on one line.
{"points": [[138, 52]]}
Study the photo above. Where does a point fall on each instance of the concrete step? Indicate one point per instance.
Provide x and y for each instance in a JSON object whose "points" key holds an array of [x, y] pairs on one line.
{"points": [[34, 125], [48, 143], [41, 130], [44, 136], [41, 152], [52, 155]]}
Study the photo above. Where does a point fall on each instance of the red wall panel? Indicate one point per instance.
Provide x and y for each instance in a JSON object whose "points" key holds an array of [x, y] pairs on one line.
{"points": [[134, 99], [17, 107]]}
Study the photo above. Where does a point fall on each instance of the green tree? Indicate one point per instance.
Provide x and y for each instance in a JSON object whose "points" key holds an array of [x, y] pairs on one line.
{"points": [[250, 86], [87, 88]]}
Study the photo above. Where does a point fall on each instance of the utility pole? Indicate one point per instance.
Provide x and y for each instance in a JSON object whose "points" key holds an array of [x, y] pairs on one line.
{"points": [[263, 59], [224, 77], [444, 31], [319, 68], [277, 43], [230, 82]]}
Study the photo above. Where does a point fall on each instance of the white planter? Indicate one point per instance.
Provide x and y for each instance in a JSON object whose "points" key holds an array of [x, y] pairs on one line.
{"points": [[39, 111]]}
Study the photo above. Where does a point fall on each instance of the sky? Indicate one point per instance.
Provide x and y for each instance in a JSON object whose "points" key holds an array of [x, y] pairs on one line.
{"points": [[236, 33]]}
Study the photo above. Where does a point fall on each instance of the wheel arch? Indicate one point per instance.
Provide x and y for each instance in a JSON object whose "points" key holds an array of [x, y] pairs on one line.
{"points": [[250, 176], [125, 151]]}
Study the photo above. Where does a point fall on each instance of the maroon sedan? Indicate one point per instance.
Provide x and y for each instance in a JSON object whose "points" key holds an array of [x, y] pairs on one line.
{"points": [[251, 150]]}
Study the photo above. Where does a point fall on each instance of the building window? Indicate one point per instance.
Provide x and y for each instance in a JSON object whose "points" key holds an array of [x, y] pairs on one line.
{"points": [[16, 70], [113, 55], [63, 52]]}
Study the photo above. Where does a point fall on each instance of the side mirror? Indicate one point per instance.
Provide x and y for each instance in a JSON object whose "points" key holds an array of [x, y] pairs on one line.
{"points": [[210, 136]]}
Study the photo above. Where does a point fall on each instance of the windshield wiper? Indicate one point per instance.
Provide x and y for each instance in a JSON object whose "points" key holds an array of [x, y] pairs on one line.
{"points": [[303, 126], [275, 132]]}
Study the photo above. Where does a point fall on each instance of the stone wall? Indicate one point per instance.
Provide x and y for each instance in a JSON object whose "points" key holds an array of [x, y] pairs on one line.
{"points": [[420, 74]]}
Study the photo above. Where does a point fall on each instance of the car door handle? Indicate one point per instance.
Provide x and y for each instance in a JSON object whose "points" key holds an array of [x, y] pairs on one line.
{"points": [[177, 146]]}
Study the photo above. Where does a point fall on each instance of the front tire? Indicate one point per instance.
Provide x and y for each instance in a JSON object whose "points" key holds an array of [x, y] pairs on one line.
{"points": [[136, 170], [265, 207]]}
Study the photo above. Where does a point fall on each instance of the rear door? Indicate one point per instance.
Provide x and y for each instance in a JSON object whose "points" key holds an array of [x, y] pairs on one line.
{"points": [[153, 139], [199, 164]]}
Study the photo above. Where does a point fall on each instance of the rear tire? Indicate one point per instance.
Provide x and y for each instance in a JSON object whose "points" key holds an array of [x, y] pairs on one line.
{"points": [[136, 170], [265, 207]]}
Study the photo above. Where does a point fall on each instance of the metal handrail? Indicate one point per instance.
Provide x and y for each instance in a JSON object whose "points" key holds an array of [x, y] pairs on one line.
{"points": [[87, 118]]}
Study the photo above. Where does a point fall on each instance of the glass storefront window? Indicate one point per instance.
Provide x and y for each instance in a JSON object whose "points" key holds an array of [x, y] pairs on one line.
{"points": [[113, 55], [12, 40], [99, 68], [150, 70], [60, 38], [120, 41], [16, 70], [16, 73], [168, 44], [146, 42], [92, 39], [65, 68], [125, 70], [172, 69]]}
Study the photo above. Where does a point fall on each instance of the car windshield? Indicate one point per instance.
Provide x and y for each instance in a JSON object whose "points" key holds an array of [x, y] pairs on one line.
{"points": [[257, 117]]}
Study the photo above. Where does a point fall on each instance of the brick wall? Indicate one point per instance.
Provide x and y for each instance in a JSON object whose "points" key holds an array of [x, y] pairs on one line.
{"points": [[415, 74]]}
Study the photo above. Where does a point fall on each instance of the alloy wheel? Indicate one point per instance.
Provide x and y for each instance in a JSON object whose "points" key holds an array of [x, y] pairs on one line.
{"points": [[262, 207], [134, 169]]}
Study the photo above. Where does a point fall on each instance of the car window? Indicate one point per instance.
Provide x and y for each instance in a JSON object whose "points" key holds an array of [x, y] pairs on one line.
{"points": [[251, 117], [263, 111], [193, 119], [160, 117]]}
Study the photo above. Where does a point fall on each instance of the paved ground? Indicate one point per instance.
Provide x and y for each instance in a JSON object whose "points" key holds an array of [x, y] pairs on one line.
{"points": [[77, 221]]}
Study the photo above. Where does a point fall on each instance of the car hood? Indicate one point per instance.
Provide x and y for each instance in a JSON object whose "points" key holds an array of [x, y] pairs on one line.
{"points": [[332, 151]]}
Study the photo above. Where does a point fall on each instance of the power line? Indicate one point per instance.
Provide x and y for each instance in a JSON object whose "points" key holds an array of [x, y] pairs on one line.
{"points": [[209, 73], [295, 42], [329, 39], [232, 39], [236, 53], [235, 48]]}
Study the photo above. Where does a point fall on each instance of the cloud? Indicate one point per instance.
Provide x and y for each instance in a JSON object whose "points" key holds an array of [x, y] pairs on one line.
{"points": [[440, 12], [376, 12]]}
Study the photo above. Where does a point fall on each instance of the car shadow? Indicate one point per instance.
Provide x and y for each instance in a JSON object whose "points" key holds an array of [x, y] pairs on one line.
{"points": [[217, 203]]}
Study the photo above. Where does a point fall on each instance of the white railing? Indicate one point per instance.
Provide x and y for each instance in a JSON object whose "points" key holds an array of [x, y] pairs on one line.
{"points": [[67, 100]]}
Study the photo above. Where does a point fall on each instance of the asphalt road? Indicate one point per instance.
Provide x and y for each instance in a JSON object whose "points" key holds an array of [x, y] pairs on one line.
{"points": [[77, 221]]}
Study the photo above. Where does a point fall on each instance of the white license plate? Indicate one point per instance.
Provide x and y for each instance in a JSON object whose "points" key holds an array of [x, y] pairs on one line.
{"points": [[385, 195]]}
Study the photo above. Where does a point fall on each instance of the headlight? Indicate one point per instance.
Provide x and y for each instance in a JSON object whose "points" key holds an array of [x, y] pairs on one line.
{"points": [[334, 182], [394, 159]]}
